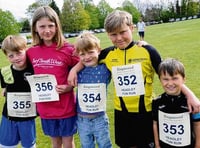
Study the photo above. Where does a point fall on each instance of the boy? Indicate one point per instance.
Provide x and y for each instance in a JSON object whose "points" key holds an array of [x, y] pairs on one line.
{"points": [[133, 70], [19, 113], [173, 125], [92, 120]]}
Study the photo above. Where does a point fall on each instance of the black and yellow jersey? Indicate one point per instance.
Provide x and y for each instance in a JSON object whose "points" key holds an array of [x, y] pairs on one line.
{"points": [[149, 59]]}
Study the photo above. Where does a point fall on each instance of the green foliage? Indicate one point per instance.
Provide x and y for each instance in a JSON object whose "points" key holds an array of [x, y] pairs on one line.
{"points": [[54, 7], [104, 9], [26, 26], [74, 18], [31, 8], [8, 24], [94, 14], [165, 15], [129, 7]]}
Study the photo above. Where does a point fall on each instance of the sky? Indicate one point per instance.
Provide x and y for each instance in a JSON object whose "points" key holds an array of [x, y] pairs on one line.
{"points": [[18, 7]]}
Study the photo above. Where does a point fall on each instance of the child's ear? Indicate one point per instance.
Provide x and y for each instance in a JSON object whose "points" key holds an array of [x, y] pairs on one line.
{"points": [[184, 79], [99, 50]]}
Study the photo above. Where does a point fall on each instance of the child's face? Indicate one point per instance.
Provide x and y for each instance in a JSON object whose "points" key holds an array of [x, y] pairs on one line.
{"points": [[122, 37], [17, 58], [46, 29], [89, 58], [172, 84]]}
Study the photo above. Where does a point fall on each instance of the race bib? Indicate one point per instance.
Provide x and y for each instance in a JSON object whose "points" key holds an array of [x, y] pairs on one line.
{"points": [[174, 129], [128, 80], [43, 87], [20, 105], [92, 97]]}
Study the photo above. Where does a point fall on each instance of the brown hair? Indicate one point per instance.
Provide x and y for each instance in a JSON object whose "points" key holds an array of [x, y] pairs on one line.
{"points": [[86, 41], [48, 12], [172, 67], [13, 43], [116, 20]]}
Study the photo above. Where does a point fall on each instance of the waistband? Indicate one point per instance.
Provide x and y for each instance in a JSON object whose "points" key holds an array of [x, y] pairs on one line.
{"points": [[92, 116]]}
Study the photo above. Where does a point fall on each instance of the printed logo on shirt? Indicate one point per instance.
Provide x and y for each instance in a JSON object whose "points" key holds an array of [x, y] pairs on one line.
{"points": [[46, 62], [114, 60]]}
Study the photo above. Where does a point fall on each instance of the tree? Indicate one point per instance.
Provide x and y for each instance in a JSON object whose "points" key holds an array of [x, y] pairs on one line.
{"points": [[25, 26], [93, 12], [73, 17], [8, 24], [104, 9], [129, 7], [31, 8], [54, 7]]}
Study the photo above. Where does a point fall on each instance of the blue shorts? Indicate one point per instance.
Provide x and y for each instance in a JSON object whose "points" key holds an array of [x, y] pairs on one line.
{"points": [[94, 129], [59, 127], [13, 132]]}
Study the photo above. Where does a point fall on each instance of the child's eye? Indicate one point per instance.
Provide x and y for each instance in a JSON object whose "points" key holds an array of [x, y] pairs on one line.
{"points": [[51, 26], [10, 56], [81, 54], [90, 52]]}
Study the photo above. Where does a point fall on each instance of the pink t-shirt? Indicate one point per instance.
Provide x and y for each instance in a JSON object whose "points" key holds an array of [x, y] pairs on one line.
{"points": [[49, 60]]}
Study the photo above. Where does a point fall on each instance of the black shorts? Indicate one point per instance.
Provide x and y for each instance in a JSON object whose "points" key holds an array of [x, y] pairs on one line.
{"points": [[141, 34], [134, 129]]}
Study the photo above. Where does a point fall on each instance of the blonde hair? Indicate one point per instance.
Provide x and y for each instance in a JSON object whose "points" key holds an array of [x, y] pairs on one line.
{"points": [[14, 43], [86, 41], [116, 19], [48, 12]]}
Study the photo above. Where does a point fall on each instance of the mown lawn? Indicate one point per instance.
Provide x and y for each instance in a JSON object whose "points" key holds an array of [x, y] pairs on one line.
{"points": [[179, 40]]}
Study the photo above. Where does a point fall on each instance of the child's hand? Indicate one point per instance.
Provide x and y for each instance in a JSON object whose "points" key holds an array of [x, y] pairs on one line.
{"points": [[61, 89], [72, 77], [142, 43], [194, 105], [3, 92]]}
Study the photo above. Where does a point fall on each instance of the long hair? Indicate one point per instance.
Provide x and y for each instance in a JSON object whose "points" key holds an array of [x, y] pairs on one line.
{"points": [[47, 12]]}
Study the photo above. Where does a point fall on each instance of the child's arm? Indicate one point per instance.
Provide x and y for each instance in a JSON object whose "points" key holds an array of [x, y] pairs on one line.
{"points": [[196, 126], [72, 77], [156, 136], [3, 91], [192, 100]]}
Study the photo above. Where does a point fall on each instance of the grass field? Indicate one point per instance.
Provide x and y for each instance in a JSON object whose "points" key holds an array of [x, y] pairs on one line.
{"points": [[179, 40]]}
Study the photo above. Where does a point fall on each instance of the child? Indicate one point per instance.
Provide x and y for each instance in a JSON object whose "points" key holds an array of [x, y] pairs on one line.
{"points": [[173, 125], [91, 95], [18, 117], [133, 70], [52, 55], [141, 29]]}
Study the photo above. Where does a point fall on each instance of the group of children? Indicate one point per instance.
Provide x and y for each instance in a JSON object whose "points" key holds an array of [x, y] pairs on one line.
{"points": [[137, 118]]}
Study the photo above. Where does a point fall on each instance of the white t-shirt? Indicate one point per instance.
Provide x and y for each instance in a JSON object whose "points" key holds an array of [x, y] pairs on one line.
{"points": [[141, 26]]}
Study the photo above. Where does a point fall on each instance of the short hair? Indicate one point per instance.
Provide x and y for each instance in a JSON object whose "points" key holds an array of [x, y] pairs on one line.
{"points": [[14, 43], [116, 19], [172, 67], [86, 41], [48, 12]]}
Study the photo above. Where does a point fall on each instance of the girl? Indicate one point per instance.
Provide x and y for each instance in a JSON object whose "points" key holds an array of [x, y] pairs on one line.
{"points": [[52, 55]]}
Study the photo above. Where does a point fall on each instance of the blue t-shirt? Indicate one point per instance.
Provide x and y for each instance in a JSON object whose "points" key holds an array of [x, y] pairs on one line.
{"points": [[97, 74]]}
